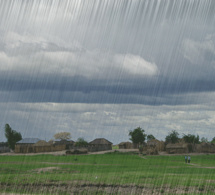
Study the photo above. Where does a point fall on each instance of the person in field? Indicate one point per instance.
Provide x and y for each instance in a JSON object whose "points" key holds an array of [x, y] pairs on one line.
{"points": [[185, 159], [188, 158]]}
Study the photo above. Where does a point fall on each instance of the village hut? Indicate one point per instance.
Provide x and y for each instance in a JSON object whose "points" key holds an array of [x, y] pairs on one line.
{"points": [[178, 148], [99, 144], [4, 147], [205, 148], [42, 146], [125, 145], [68, 143], [154, 143], [25, 145]]}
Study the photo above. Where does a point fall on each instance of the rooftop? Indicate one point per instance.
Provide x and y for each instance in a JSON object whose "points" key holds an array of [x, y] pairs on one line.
{"points": [[28, 141]]}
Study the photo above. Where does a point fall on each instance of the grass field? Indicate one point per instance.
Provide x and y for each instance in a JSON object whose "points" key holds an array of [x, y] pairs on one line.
{"points": [[111, 173]]}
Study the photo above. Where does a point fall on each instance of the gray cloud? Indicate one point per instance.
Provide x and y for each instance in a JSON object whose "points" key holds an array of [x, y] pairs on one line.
{"points": [[43, 120]]}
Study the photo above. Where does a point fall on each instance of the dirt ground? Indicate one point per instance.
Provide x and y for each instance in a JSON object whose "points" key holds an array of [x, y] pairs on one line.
{"points": [[64, 152], [86, 188], [163, 153]]}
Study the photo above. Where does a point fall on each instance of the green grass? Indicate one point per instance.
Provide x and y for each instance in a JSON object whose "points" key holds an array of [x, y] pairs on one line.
{"points": [[115, 147], [122, 169]]}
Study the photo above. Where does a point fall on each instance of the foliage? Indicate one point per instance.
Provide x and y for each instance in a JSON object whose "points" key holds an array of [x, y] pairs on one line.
{"points": [[150, 137], [137, 135], [172, 137], [213, 140], [115, 147], [62, 135], [12, 136], [81, 142], [204, 140], [191, 139]]}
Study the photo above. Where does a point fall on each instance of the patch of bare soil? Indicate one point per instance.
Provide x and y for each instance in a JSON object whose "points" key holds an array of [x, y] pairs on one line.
{"points": [[199, 166], [50, 163], [46, 169], [88, 188], [63, 152]]}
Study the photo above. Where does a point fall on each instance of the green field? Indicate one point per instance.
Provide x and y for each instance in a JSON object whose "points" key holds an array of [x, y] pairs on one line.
{"points": [[111, 173]]}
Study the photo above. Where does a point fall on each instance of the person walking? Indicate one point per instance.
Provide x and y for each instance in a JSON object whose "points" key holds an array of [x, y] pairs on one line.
{"points": [[185, 159], [188, 158]]}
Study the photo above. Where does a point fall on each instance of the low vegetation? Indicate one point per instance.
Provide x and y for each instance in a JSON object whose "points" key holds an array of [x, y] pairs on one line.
{"points": [[111, 173]]}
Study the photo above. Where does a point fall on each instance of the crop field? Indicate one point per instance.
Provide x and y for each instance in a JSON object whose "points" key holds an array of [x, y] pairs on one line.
{"points": [[110, 173]]}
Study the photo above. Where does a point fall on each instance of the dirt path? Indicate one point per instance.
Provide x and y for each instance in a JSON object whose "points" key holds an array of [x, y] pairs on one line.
{"points": [[64, 152]]}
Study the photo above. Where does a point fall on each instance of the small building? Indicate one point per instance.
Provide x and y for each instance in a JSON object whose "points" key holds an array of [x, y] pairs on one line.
{"points": [[205, 148], [4, 147], [25, 145], [125, 145], [99, 144], [178, 148], [154, 143], [34, 145], [69, 144]]}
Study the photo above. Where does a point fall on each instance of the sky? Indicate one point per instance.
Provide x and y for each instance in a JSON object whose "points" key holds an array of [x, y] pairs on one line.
{"points": [[98, 69]]}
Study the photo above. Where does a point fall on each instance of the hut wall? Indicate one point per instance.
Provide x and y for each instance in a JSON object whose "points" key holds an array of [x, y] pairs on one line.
{"points": [[99, 147], [126, 146], [23, 148], [160, 146], [37, 149], [122, 146], [4, 149], [204, 148]]}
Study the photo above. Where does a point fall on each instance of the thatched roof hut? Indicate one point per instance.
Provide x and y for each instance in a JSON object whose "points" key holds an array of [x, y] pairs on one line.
{"points": [[42, 143], [4, 147], [100, 141], [154, 143], [125, 145], [28, 141], [99, 144], [177, 148], [205, 148], [67, 142]]}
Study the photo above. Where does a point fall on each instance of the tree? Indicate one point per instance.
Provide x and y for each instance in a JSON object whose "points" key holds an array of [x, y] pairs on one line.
{"points": [[192, 139], [172, 137], [205, 140], [62, 135], [137, 136], [150, 137], [213, 140], [12, 136], [81, 142]]}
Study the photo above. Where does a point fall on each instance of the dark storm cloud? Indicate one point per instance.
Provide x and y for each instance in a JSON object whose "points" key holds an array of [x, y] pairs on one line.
{"points": [[148, 52], [151, 61], [79, 89]]}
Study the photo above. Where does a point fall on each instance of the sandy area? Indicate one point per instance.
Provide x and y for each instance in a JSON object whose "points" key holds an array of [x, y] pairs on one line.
{"points": [[64, 152], [101, 152]]}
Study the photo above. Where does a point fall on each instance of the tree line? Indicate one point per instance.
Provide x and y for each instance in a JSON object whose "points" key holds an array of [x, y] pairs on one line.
{"points": [[138, 136], [13, 137]]}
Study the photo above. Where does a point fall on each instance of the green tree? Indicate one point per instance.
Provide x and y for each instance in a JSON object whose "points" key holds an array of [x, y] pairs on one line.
{"points": [[150, 137], [12, 136], [81, 142], [172, 137], [204, 140], [192, 139], [137, 135], [213, 140]]}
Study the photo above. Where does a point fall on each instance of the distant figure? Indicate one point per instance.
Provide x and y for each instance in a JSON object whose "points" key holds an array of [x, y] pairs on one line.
{"points": [[188, 159], [185, 159]]}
